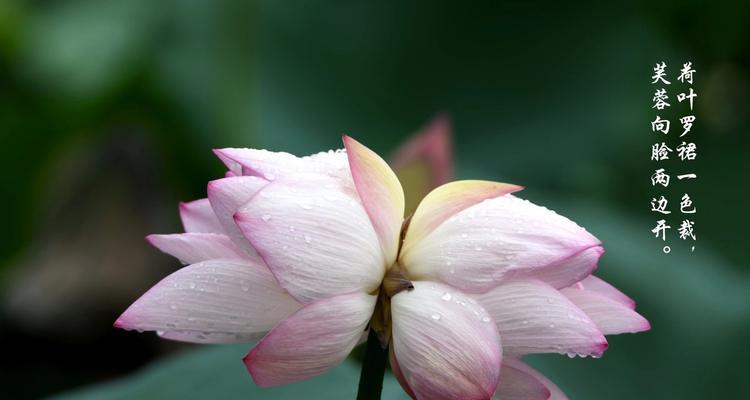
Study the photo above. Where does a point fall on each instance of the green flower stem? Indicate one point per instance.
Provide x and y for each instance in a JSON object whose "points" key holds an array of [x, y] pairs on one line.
{"points": [[373, 369]]}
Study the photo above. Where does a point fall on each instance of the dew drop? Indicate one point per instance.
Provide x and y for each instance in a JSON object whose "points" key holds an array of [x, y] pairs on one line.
{"points": [[549, 300], [446, 297], [192, 285], [463, 235], [308, 239], [266, 217], [485, 319], [160, 333], [436, 316], [551, 325], [172, 307]]}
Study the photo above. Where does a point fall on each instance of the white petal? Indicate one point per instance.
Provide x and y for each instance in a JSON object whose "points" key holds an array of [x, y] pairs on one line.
{"points": [[518, 381], [500, 239], [533, 317], [216, 301], [197, 216], [612, 317], [381, 194], [445, 344], [315, 236], [227, 196], [270, 165], [191, 248], [313, 340]]}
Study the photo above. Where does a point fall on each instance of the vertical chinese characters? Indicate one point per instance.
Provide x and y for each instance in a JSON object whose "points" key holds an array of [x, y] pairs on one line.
{"points": [[683, 151]]}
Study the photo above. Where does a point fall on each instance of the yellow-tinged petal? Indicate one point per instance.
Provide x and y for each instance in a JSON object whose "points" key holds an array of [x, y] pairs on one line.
{"points": [[447, 200], [381, 194]]}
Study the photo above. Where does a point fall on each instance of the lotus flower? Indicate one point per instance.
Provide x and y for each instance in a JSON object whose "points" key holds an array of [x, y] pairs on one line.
{"points": [[309, 253]]}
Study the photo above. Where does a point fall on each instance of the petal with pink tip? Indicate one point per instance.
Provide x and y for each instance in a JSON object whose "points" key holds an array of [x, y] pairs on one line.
{"points": [[313, 340], [197, 216], [612, 317], [381, 194], [444, 343], [500, 239], [226, 196], [191, 248], [315, 236], [215, 301], [447, 201], [602, 287], [533, 317], [518, 381]]}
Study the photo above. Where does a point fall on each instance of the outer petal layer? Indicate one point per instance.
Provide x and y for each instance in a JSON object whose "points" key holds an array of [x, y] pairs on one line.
{"points": [[612, 317], [501, 239], [191, 248], [444, 343], [315, 236], [197, 216], [313, 340], [381, 194], [518, 381], [533, 317], [217, 301]]}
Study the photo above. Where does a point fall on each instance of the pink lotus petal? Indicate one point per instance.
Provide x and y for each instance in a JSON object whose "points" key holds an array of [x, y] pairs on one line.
{"points": [[518, 381], [215, 301], [226, 197], [316, 338], [499, 239], [197, 216], [600, 286], [431, 146], [191, 248], [611, 316], [533, 317], [444, 343], [447, 201], [315, 236], [380, 192]]}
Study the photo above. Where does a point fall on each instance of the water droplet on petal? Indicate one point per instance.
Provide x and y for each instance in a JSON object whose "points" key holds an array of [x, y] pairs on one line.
{"points": [[485, 319], [446, 297], [308, 239], [192, 285], [266, 217], [436, 316]]}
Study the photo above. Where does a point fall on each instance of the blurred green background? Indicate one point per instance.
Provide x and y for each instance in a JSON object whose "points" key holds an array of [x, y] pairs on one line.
{"points": [[109, 110]]}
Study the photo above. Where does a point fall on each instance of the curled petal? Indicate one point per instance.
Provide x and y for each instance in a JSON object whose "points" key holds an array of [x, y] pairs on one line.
{"points": [[444, 343], [315, 236], [226, 196], [313, 340], [533, 317], [216, 301], [381, 194], [612, 317], [518, 381], [191, 248], [501, 239], [197, 216], [600, 286]]}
